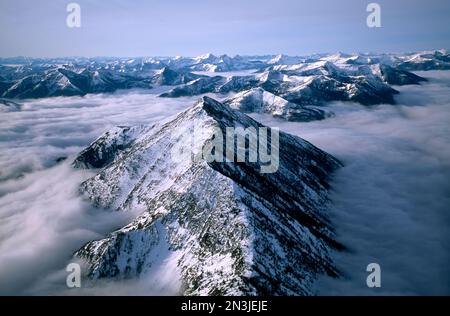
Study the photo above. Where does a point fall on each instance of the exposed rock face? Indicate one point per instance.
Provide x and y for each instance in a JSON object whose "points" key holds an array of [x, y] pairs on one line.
{"points": [[169, 77], [437, 60], [398, 77], [52, 83], [106, 148], [338, 77], [4, 85], [216, 84], [424, 60], [212, 63], [196, 87], [260, 101], [318, 90], [65, 81], [310, 84], [232, 229]]}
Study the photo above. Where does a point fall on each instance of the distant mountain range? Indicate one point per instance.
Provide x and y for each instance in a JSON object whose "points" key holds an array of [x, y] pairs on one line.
{"points": [[303, 82], [224, 227]]}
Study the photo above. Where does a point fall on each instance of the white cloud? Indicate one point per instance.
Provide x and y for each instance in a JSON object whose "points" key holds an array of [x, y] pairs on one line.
{"points": [[43, 220], [390, 200]]}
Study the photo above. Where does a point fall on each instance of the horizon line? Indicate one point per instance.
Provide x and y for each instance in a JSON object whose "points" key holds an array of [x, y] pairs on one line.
{"points": [[232, 55]]}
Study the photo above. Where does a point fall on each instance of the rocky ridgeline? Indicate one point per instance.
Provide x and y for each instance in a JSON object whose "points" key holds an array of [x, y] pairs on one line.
{"points": [[230, 229]]}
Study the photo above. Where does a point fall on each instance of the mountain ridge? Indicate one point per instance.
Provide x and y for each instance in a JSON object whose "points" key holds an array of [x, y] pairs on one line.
{"points": [[232, 229]]}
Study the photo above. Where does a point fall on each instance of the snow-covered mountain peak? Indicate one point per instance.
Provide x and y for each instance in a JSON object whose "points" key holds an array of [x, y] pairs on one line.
{"points": [[232, 229], [205, 58], [258, 100]]}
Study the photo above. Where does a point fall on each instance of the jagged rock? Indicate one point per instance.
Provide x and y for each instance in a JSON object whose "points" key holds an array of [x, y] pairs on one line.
{"points": [[260, 101], [102, 80], [169, 77], [307, 85], [395, 76], [285, 60], [196, 87], [5, 85], [63, 81], [318, 90], [107, 147], [232, 229], [438, 60], [51, 83], [339, 77]]}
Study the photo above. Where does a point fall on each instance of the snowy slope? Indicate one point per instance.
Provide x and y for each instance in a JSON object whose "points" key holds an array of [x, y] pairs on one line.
{"points": [[232, 229], [363, 78], [258, 100]]}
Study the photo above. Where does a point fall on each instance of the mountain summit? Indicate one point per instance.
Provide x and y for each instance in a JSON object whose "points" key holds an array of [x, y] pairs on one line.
{"points": [[231, 229]]}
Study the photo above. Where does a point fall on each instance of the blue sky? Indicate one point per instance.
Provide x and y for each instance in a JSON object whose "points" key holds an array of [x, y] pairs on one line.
{"points": [[191, 27]]}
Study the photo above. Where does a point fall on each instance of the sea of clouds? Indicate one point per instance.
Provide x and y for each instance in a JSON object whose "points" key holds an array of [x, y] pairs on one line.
{"points": [[390, 201], [43, 218]]}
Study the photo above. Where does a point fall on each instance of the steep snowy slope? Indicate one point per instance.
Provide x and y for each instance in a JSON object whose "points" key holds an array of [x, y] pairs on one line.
{"points": [[308, 84], [364, 76], [232, 229], [260, 101]]}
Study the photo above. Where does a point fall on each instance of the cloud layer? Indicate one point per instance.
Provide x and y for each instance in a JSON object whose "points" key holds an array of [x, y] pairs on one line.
{"points": [[43, 219], [390, 201]]}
